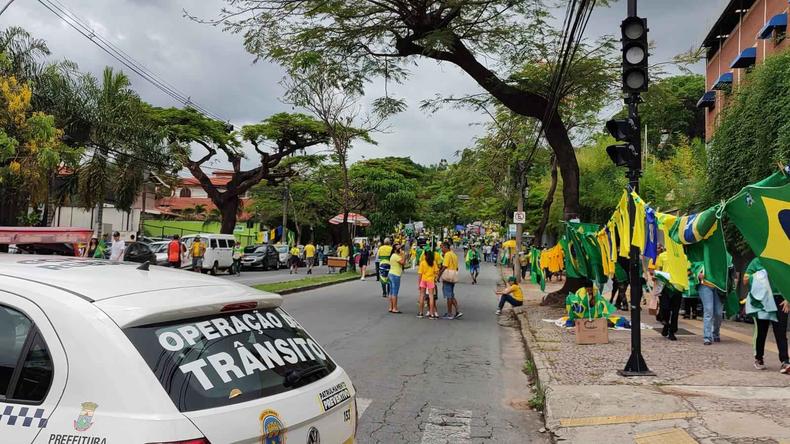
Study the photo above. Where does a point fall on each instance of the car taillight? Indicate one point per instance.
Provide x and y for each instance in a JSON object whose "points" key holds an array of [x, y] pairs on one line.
{"points": [[188, 441], [240, 306]]}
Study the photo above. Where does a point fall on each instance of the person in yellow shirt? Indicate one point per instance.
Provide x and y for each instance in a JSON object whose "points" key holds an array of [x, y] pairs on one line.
{"points": [[197, 250], [427, 273], [309, 256], [511, 294], [449, 276], [294, 259], [413, 254]]}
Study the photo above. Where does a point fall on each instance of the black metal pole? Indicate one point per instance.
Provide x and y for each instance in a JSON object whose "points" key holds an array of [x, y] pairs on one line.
{"points": [[632, 8], [636, 365]]}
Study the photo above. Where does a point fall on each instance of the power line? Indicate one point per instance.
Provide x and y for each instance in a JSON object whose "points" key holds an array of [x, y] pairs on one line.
{"points": [[73, 20]]}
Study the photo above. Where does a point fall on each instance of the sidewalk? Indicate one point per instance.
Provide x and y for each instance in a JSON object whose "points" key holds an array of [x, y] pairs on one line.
{"points": [[705, 394]]}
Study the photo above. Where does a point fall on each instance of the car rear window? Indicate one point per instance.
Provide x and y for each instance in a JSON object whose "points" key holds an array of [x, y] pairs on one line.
{"points": [[225, 359]]}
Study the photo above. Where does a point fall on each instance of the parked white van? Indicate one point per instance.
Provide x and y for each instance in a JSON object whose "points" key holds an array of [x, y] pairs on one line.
{"points": [[219, 250]]}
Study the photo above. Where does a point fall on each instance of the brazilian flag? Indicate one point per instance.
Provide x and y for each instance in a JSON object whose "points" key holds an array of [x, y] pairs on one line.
{"points": [[586, 252], [571, 265], [762, 214]]}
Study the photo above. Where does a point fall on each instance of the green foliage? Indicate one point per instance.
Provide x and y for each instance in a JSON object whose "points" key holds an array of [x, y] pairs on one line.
{"points": [[388, 196], [754, 130], [752, 137], [670, 112]]}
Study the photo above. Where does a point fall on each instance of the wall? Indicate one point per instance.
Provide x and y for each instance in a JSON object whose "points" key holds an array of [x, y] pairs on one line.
{"points": [[741, 37]]}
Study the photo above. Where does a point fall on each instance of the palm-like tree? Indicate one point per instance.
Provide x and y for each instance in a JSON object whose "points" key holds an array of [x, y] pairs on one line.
{"points": [[199, 210], [119, 143], [22, 52], [187, 213], [214, 215]]}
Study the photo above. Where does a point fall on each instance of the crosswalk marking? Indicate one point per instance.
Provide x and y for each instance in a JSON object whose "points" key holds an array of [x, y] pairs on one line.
{"points": [[447, 426]]}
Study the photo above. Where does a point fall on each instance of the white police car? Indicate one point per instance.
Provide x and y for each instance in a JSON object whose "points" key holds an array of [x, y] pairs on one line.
{"points": [[96, 352]]}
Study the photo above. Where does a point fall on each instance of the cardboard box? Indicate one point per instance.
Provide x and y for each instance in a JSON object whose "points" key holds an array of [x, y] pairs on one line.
{"points": [[592, 331]]}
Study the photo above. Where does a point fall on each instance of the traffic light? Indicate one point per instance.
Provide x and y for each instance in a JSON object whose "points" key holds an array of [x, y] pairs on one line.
{"points": [[624, 154], [634, 38]]}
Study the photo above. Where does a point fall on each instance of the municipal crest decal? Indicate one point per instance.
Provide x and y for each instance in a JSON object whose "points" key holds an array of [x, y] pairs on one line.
{"points": [[272, 428], [85, 420]]}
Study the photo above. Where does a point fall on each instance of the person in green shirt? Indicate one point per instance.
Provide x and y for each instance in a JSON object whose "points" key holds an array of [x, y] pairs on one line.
{"points": [[756, 277]]}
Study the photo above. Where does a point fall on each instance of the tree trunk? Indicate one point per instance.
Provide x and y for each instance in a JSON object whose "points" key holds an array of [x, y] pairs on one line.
{"points": [[99, 218], [544, 220], [557, 298], [229, 208], [284, 236]]}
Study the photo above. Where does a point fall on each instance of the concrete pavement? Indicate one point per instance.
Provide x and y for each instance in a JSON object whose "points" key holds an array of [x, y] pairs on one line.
{"points": [[705, 394], [420, 380]]}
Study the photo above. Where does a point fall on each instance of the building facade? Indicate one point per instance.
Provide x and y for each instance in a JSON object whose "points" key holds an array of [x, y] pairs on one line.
{"points": [[745, 34]]}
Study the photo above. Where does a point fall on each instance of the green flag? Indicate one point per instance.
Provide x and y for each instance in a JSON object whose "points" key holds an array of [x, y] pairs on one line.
{"points": [[536, 273], [571, 269], [584, 242], [762, 214]]}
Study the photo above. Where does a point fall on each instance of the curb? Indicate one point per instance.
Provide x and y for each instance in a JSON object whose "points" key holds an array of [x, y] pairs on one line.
{"points": [[544, 375], [316, 286]]}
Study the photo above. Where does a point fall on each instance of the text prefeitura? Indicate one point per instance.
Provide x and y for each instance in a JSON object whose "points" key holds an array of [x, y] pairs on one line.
{"points": [[268, 355]]}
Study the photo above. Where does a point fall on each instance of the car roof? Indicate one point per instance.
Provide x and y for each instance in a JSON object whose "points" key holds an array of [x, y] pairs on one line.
{"points": [[98, 279]]}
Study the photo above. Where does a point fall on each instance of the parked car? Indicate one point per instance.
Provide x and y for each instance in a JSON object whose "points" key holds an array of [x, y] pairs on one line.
{"points": [[101, 352], [219, 250], [264, 257], [283, 252], [139, 252], [160, 250]]}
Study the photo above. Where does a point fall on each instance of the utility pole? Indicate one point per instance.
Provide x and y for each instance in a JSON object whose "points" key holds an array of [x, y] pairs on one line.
{"points": [[521, 177], [629, 154]]}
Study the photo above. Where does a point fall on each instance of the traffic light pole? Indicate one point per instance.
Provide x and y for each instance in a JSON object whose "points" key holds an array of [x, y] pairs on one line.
{"points": [[636, 365]]}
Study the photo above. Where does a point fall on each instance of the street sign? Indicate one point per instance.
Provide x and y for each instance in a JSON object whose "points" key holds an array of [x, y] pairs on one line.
{"points": [[519, 217]]}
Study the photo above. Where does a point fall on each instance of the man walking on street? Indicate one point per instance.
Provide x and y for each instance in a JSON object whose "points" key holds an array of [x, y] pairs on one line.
{"points": [[309, 256], [448, 275], [174, 251], [118, 247], [197, 251]]}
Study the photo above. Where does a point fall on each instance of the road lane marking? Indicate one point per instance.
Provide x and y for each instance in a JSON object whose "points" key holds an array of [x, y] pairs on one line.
{"points": [[607, 420], [362, 405], [447, 426]]}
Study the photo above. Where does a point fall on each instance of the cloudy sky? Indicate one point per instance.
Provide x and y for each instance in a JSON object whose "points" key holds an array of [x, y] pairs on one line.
{"points": [[212, 68]]}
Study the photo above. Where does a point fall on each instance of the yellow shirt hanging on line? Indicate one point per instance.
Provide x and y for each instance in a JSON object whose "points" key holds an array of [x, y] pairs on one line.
{"points": [[674, 261]]}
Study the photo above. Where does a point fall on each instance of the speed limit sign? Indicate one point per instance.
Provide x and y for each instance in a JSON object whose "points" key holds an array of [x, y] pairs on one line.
{"points": [[519, 217]]}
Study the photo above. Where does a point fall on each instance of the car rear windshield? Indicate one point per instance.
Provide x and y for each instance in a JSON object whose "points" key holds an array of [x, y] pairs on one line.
{"points": [[225, 359]]}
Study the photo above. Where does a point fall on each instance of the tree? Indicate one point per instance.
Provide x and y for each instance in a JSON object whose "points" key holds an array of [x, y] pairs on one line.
{"points": [[286, 133], [30, 150], [670, 112], [336, 104], [120, 142], [388, 194], [199, 210], [379, 37]]}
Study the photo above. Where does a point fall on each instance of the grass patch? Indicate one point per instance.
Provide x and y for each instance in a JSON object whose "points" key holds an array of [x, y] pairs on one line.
{"points": [[529, 369], [277, 287], [538, 400]]}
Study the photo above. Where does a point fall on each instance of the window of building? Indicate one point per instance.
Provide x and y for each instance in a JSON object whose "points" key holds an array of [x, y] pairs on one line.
{"points": [[185, 192]]}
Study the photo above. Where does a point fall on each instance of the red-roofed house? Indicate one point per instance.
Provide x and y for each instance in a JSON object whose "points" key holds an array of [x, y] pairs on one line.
{"points": [[189, 193]]}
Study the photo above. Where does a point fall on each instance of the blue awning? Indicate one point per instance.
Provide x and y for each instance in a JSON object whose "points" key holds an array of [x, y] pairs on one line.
{"points": [[779, 21], [708, 100], [724, 79], [747, 58]]}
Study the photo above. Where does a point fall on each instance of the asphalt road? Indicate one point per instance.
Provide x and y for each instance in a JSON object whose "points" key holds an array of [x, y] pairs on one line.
{"points": [[252, 277], [420, 380]]}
